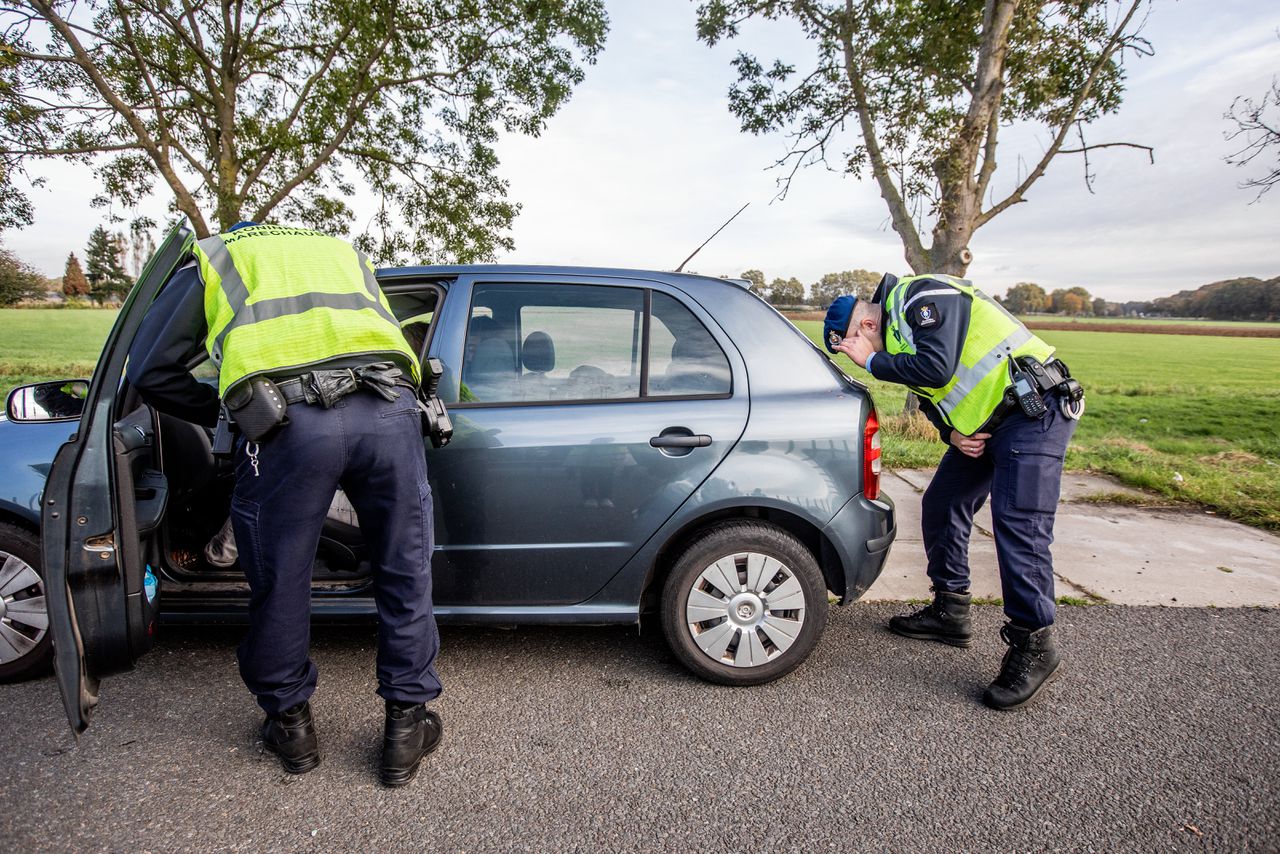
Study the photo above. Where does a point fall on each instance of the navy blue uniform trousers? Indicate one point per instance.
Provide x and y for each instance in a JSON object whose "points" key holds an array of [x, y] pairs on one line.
{"points": [[1022, 472], [373, 449]]}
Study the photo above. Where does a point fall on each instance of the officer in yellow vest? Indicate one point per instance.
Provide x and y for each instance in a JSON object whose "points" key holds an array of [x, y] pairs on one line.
{"points": [[315, 372], [1007, 408]]}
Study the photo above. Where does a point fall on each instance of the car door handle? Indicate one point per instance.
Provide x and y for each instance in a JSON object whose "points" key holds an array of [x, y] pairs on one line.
{"points": [[677, 440]]}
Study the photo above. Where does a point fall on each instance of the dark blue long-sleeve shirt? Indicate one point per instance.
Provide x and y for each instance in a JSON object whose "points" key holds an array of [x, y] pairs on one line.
{"points": [[170, 337], [938, 315]]}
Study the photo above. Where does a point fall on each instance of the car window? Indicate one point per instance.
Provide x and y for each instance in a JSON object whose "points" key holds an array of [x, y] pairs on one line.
{"points": [[683, 357], [546, 343], [415, 311]]}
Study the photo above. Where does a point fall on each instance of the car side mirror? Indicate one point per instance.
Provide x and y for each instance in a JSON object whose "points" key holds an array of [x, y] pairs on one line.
{"points": [[60, 400]]}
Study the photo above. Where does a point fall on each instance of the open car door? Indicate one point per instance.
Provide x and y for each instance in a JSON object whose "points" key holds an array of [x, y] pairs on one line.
{"points": [[102, 505]]}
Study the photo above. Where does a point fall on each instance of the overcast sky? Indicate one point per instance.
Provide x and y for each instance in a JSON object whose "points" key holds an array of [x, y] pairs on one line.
{"points": [[645, 162]]}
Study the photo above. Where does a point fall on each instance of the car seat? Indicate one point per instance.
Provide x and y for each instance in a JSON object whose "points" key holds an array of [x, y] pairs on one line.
{"points": [[697, 367], [538, 355], [491, 372]]}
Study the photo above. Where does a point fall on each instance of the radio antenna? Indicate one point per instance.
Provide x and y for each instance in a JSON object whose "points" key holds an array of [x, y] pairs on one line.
{"points": [[711, 238]]}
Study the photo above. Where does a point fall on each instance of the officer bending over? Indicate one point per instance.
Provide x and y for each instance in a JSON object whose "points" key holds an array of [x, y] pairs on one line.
{"points": [[1007, 408], [315, 373]]}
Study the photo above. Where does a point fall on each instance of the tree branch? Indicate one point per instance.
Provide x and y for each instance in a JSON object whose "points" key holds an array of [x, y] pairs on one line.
{"points": [[798, 155], [917, 257], [988, 157], [184, 199], [354, 112], [267, 9], [255, 172], [983, 117], [1091, 146], [127, 25], [1114, 43], [70, 150]]}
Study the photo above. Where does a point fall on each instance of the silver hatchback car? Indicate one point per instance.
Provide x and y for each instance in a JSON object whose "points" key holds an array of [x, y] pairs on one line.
{"points": [[626, 443]]}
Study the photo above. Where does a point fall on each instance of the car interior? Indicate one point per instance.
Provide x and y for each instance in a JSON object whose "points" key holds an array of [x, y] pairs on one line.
{"points": [[535, 345], [182, 491]]}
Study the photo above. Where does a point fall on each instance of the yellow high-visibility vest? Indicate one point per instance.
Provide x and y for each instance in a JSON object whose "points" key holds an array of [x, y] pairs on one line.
{"points": [[278, 298], [995, 336]]}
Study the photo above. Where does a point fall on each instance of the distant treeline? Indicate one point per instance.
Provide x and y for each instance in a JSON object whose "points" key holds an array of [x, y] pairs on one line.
{"points": [[1233, 299]]}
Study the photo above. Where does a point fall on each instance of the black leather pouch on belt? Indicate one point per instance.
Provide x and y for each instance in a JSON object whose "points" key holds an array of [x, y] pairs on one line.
{"points": [[257, 408]]}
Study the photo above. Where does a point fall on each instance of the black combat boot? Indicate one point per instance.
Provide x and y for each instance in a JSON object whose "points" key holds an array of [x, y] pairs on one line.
{"points": [[411, 733], [291, 735], [1030, 663], [945, 619]]}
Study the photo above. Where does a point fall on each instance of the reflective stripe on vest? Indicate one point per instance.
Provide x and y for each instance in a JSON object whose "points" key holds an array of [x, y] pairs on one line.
{"points": [[292, 333], [981, 376]]}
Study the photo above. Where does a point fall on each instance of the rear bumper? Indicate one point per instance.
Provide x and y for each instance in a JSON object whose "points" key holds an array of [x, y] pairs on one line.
{"points": [[862, 533]]}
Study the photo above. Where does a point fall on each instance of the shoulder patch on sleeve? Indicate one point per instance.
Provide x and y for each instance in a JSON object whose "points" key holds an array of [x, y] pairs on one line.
{"points": [[926, 314]]}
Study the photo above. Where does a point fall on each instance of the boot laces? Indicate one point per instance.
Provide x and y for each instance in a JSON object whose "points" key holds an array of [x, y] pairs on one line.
{"points": [[933, 609], [1018, 661], [922, 611]]}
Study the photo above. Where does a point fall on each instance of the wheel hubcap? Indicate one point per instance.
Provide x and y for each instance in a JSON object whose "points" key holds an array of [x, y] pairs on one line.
{"points": [[745, 610], [24, 618]]}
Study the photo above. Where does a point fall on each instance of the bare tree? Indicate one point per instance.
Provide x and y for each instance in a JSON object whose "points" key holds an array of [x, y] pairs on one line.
{"points": [[928, 87]]}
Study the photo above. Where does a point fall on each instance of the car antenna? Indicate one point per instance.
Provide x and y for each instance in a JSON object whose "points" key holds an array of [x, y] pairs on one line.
{"points": [[711, 238]]}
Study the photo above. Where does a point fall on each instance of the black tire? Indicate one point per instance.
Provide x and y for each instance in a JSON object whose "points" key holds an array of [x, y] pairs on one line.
{"points": [[22, 544], [737, 540]]}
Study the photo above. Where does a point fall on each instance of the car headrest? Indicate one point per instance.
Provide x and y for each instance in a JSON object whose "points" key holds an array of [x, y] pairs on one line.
{"points": [[691, 348], [538, 352], [482, 327], [492, 356]]}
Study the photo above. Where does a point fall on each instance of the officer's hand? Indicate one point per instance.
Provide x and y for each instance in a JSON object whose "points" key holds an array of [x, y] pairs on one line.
{"points": [[971, 446], [856, 347]]}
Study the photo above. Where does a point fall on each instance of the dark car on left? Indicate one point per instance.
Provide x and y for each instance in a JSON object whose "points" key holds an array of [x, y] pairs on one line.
{"points": [[26, 453]]}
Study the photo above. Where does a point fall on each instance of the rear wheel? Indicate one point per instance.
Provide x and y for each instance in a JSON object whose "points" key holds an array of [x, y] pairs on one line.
{"points": [[25, 642], [744, 604]]}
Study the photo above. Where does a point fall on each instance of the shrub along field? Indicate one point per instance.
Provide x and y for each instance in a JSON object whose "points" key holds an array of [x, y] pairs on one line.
{"points": [[1205, 408], [1159, 406]]}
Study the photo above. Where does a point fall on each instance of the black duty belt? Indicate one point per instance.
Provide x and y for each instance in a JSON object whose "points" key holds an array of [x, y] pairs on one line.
{"points": [[257, 407], [327, 387], [291, 390], [1048, 377]]}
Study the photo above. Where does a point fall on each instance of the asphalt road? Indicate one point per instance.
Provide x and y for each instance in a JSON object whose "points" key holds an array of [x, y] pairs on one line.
{"points": [[1164, 734]]}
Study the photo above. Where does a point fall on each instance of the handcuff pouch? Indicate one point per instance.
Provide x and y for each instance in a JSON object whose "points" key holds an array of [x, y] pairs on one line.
{"points": [[257, 407]]}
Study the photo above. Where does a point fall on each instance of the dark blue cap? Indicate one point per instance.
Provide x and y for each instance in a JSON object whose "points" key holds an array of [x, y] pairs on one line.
{"points": [[837, 322], [244, 223]]}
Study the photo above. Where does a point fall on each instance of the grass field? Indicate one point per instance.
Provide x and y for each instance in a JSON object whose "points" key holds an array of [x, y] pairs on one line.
{"points": [[1153, 321], [46, 344], [1249, 328], [1235, 330], [1205, 408]]}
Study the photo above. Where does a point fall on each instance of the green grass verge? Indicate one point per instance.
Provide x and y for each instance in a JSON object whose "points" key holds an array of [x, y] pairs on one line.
{"points": [[42, 344], [1151, 321], [1191, 418]]}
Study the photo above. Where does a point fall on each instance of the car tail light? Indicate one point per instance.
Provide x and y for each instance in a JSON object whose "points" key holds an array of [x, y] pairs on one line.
{"points": [[871, 456]]}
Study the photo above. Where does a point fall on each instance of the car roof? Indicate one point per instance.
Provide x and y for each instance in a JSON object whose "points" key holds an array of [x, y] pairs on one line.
{"points": [[443, 271]]}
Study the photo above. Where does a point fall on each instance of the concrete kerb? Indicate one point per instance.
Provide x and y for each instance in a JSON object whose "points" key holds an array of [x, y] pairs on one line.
{"points": [[1128, 554]]}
